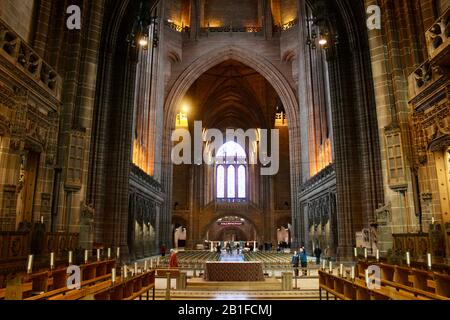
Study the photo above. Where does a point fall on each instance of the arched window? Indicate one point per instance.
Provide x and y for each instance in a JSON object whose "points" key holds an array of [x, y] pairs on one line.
{"points": [[231, 182], [220, 182], [231, 170], [241, 182]]}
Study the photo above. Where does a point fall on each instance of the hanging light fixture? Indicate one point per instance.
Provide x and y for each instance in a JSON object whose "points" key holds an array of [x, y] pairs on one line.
{"points": [[139, 35], [322, 28]]}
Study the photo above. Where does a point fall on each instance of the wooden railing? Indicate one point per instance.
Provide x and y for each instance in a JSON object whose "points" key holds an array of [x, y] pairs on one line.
{"points": [[420, 244], [14, 245], [232, 29]]}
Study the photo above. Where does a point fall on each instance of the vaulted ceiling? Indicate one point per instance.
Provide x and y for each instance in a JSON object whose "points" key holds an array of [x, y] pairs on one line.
{"points": [[232, 95]]}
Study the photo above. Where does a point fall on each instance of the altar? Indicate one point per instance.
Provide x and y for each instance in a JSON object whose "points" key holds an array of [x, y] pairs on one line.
{"points": [[234, 271]]}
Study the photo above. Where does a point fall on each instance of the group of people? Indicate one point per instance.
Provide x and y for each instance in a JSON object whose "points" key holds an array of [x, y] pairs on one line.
{"points": [[229, 247], [300, 258]]}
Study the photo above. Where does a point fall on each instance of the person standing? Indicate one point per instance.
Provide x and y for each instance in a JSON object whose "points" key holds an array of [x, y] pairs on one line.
{"points": [[162, 250], [295, 261], [173, 261], [317, 254], [303, 260]]}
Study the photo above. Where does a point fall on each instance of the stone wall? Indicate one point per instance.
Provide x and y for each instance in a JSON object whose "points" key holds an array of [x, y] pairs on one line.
{"points": [[19, 15], [238, 13]]}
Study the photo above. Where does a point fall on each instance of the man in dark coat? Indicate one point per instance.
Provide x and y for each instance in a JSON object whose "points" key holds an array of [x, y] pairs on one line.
{"points": [[295, 261], [317, 254]]}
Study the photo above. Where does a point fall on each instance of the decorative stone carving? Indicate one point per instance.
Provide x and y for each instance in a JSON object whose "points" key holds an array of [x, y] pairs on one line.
{"points": [[431, 130], [136, 171], [438, 35], [16, 50], [87, 212], [383, 215]]}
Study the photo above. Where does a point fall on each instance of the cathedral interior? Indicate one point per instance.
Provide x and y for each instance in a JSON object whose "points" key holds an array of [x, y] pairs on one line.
{"points": [[115, 148]]}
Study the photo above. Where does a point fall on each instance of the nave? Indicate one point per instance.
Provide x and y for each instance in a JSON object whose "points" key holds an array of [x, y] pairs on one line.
{"points": [[102, 278], [210, 149]]}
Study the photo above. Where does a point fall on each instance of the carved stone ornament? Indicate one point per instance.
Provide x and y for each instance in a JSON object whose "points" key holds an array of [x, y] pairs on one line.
{"points": [[87, 212], [383, 214]]}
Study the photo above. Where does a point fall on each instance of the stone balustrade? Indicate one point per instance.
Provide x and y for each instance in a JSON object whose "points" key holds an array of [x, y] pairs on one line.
{"points": [[438, 36], [15, 50]]}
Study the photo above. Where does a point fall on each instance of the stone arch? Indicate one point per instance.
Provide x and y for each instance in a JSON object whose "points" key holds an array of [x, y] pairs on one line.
{"points": [[264, 67], [217, 217], [217, 56]]}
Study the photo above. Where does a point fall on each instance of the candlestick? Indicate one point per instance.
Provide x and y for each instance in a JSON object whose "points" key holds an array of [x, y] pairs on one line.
{"points": [[70, 258], [366, 273], [125, 271], [30, 264], [331, 267], [355, 252], [365, 253], [135, 268], [109, 253], [353, 273], [341, 270], [52, 260], [151, 264], [408, 261], [118, 253], [429, 261], [86, 257], [113, 275], [98, 254], [145, 266], [42, 219], [378, 255], [432, 220], [323, 265]]}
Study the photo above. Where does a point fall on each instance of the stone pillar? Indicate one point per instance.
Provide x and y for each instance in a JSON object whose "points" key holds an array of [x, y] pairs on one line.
{"points": [[42, 27], [286, 281]]}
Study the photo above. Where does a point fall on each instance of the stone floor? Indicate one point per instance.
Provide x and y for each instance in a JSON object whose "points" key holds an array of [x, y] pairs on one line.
{"points": [[304, 289]]}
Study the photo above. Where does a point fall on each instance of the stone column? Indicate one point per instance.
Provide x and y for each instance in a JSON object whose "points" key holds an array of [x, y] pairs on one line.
{"points": [[42, 27]]}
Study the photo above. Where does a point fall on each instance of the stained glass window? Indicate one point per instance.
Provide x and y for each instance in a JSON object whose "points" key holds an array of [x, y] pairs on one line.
{"points": [[220, 182]]}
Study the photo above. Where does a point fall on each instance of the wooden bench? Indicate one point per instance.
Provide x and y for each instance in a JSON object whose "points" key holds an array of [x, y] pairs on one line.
{"points": [[129, 289], [417, 281], [44, 284], [345, 289]]}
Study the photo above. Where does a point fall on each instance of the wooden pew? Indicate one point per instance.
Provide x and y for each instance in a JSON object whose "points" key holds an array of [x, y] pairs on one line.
{"points": [[123, 289], [417, 281], [129, 289], [345, 289], [44, 284]]}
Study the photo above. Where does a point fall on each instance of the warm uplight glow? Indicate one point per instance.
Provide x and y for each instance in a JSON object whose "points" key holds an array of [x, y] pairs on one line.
{"points": [[143, 42], [185, 108], [323, 41]]}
